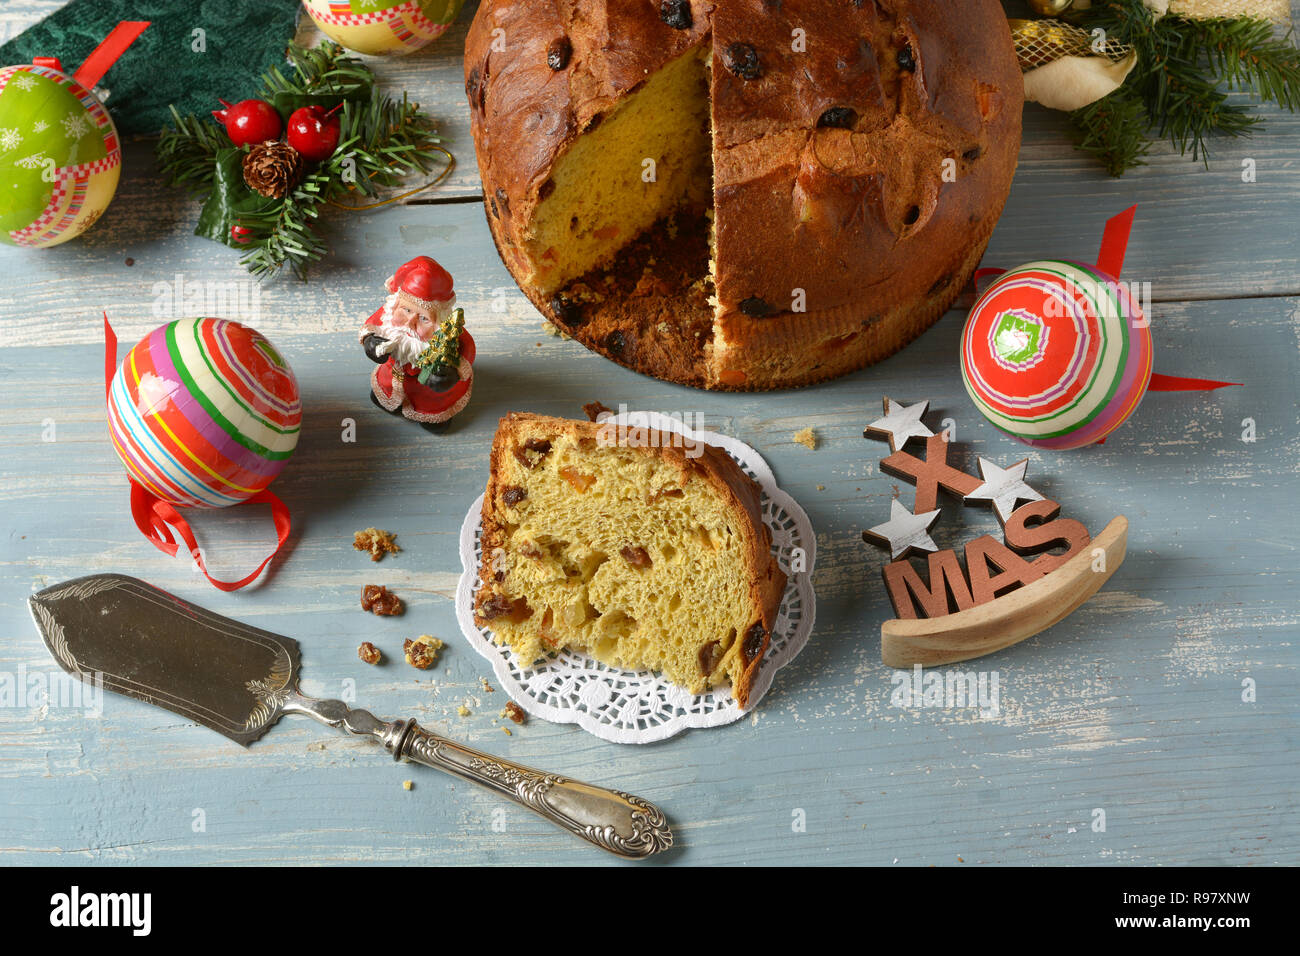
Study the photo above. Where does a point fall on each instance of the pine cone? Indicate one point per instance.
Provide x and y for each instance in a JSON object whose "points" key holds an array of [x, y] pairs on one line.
{"points": [[273, 169]]}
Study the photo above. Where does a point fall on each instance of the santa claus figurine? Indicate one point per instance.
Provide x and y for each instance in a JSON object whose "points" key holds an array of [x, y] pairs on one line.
{"points": [[424, 357]]}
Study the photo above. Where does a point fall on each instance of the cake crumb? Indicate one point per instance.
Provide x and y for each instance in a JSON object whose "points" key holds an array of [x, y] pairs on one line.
{"points": [[821, 487], [513, 711], [408, 784], [463, 711], [506, 731], [369, 653], [553, 330], [422, 652], [377, 599], [487, 688], [377, 541], [807, 437], [594, 410]]}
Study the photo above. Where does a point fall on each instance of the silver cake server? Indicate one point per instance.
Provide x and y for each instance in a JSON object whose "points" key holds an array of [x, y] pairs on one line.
{"points": [[238, 680]]}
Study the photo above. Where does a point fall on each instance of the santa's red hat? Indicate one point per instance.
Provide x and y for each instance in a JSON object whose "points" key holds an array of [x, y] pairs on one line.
{"points": [[423, 280]]}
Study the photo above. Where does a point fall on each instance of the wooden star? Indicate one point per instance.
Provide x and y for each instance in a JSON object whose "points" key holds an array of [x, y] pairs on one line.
{"points": [[904, 532], [900, 423], [1003, 487]]}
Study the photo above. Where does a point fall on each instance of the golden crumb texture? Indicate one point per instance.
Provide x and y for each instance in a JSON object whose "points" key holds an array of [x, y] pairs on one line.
{"points": [[377, 541], [806, 437], [643, 553]]}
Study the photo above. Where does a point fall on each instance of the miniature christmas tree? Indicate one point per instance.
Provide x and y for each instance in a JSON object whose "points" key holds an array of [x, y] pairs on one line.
{"points": [[439, 363]]}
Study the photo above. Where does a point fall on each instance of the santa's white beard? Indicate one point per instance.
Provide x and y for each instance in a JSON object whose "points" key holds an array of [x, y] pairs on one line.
{"points": [[402, 344]]}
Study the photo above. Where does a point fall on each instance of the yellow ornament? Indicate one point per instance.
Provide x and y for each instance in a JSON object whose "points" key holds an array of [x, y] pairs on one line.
{"points": [[60, 157], [1050, 8], [383, 27]]}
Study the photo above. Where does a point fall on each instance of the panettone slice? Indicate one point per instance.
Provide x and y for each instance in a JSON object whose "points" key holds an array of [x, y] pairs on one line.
{"points": [[643, 551]]}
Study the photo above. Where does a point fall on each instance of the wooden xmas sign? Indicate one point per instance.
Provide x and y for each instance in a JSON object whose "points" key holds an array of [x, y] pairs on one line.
{"points": [[1005, 591]]}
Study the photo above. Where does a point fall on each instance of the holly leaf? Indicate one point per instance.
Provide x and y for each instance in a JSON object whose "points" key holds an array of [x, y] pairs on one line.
{"points": [[230, 198]]}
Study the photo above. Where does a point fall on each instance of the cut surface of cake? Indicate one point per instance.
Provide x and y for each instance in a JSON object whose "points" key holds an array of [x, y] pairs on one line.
{"points": [[643, 551], [741, 194]]}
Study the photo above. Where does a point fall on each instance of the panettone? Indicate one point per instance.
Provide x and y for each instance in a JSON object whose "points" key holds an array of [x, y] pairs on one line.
{"points": [[746, 194], [628, 544]]}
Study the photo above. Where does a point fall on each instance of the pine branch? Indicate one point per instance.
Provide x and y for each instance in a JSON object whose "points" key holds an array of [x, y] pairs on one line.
{"points": [[327, 68], [186, 152], [380, 142], [1248, 55], [1176, 88], [1113, 130]]}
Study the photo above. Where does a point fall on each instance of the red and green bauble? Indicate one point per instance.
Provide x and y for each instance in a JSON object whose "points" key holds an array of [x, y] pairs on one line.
{"points": [[1056, 354], [383, 27], [60, 157]]}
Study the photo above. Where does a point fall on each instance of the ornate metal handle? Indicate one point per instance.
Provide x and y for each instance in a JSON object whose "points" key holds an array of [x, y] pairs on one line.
{"points": [[615, 821], [612, 820]]}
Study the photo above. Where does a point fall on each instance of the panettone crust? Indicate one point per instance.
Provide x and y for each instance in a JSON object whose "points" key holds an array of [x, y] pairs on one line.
{"points": [[857, 180]]}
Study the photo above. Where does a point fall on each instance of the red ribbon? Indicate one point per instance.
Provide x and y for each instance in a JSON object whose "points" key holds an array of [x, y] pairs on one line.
{"points": [[1114, 243], [153, 516], [1110, 260], [108, 52], [1173, 383]]}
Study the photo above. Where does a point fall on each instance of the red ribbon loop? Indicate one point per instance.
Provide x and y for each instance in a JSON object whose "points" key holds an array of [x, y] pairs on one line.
{"points": [[156, 518], [108, 52]]}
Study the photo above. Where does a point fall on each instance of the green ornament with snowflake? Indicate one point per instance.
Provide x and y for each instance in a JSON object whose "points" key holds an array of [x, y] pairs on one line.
{"points": [[60, 157]]}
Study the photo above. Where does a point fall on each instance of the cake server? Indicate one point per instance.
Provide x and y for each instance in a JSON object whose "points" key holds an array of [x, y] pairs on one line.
{"points": [[238, 680]]}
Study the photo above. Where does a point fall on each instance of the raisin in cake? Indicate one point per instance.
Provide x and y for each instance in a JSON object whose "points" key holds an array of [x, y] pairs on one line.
{"points": [[644, 555], [743, 194]]}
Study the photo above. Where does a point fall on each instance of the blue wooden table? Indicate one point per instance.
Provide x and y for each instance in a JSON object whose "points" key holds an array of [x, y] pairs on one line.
{"points": [[1155, 725]]}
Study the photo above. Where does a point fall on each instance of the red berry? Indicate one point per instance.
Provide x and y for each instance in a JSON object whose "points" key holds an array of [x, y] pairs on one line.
{"points": [[241, 234], [249, 121], [314, 133]]}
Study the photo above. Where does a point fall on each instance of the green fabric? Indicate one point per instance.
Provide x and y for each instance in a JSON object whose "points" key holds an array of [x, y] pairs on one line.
{"points": [[243, 39]]}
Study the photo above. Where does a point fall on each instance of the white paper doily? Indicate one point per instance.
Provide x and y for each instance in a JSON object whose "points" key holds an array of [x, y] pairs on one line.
{"points": [[630, 707]]}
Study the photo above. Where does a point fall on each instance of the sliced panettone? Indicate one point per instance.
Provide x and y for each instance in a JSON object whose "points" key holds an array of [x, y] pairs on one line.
{"points": [[645, 554]]}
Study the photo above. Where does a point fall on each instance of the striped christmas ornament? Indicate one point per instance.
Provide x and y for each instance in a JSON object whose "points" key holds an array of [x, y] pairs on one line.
{"points": [[204, 413], [1057, 354], [383, 27], [60, 157]]}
